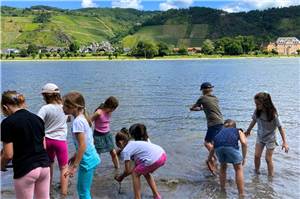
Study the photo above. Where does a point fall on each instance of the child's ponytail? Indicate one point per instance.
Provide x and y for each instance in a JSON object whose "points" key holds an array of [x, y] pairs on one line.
{"points": [[86, 115], [139, 132], [12, 98]]}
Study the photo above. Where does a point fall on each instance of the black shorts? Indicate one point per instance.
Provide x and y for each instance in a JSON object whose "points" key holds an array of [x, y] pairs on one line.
{"points": [[212, 131]]}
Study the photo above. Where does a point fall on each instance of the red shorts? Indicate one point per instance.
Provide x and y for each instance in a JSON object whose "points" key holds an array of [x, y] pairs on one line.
{"points": [[140, 168], [58, 148]]}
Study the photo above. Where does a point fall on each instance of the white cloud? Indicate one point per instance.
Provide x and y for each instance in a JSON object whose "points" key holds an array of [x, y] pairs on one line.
{"points": [[175, 4], [246, 5], [88, 4], [136, 4]]}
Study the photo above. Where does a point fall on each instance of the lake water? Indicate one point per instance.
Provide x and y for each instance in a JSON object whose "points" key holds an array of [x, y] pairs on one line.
{"points": [[159, 94]]}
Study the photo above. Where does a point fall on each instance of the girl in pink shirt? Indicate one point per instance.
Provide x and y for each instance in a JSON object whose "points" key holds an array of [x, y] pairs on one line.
{"points": [[102, 137]]}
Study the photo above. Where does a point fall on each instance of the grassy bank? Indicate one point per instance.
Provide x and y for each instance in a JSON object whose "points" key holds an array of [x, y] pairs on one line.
{"points": [[124, 58]]}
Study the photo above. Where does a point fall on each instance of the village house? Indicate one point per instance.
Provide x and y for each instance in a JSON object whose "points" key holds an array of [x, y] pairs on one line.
{"points": [[285, 46], [10, 51]]}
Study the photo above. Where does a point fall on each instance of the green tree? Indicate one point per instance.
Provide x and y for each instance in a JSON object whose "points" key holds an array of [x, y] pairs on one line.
{"points": [[12, 55], [208, 47], [163, 49], [33, 55], [298, 51], [69, 54], [42, 18], [48, 55], [62, 54], [234, 48], [41, 55], [23, 53], [74, 47], [32, 49], [145, 49], [182, 51]]}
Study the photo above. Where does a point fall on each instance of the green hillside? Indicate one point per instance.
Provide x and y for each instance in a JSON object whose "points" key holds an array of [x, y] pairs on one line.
{"points": [[190, 27], [83, 25], [183, 27]]}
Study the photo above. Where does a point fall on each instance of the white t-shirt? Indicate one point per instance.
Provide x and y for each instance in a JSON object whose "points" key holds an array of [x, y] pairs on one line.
{"points": [[141, 151], [81, 125], [55, 121]]}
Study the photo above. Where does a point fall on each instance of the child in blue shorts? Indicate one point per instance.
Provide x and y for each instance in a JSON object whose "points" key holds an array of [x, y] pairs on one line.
{"points": [[210, 105], [226, 147]]}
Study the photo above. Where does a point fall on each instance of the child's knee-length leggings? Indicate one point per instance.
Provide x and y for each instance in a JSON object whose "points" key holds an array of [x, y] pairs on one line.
{"points": [[35, 183], [84, 182]]}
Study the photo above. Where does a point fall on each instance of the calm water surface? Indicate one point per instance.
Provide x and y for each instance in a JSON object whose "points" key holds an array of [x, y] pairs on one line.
{"points": [[159, 93]]}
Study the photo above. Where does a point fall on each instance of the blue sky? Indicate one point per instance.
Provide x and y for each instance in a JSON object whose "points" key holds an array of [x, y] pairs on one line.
{"points": [[228, 5]]}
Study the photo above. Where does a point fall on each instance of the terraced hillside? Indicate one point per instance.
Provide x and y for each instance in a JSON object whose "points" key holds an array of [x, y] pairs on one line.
{"points": [[183, 27], [190, 27]]}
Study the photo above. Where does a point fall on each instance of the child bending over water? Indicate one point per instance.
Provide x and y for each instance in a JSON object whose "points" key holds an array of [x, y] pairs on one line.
{"points": [[147, 157], [267, 119], [226, 147]]}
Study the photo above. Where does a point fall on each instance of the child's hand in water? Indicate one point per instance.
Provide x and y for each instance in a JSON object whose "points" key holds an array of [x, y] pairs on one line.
{"points": [[119, 178], [285, 147], [71, 171]]}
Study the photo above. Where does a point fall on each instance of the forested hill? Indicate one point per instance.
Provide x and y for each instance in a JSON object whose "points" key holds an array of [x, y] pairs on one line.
{"points": [[48, 26]]}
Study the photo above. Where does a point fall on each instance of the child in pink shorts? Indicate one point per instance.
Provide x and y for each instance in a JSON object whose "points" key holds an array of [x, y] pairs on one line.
{"points": [[55, 131], [147, 157]]}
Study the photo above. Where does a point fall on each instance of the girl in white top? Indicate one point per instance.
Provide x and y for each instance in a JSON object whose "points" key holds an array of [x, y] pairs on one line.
{"points": [[55, 131], [147, 157]]}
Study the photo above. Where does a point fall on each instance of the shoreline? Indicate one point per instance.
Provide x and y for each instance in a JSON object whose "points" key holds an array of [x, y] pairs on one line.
{"points": [[170, 58]]}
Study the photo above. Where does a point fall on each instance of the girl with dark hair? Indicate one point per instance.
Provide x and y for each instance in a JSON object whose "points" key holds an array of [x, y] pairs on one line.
{"points": [[148, 157], [22, 136], [139, 132], [103, 138], [56, 131], [267, 119], [85, 158]]}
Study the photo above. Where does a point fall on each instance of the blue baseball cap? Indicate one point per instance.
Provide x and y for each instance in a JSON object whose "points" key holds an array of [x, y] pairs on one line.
{"points": [[206, 85]]}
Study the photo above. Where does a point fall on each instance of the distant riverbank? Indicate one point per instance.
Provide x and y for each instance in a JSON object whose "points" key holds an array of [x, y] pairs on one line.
{"points": [[128, 58]]}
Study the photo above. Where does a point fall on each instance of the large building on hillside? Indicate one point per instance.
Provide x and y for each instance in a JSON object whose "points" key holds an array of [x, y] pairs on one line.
{"points": [[285, 46]]}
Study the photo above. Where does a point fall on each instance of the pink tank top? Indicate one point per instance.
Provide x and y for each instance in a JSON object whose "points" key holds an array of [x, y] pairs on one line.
{"points": [[102, 122]]}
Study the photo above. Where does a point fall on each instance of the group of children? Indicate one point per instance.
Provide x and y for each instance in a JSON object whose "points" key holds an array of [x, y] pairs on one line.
{"points": [[222, 137], [33, 142]]}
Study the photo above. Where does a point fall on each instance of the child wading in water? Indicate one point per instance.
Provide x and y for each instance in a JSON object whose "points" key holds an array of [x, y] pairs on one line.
{"points": [[147, 157], [55, 131], [226, 147], [210, 105], [85, 158], [267, 119], [102, 136]]}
